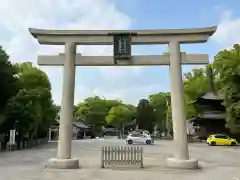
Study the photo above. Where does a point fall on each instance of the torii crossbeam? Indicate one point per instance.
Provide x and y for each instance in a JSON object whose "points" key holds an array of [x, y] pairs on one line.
{"points": [[150, 60]]}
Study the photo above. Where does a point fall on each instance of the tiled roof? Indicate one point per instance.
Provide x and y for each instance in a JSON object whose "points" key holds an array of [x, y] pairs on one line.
{"points": [[76, 123], [80, 125], [211, 96]]}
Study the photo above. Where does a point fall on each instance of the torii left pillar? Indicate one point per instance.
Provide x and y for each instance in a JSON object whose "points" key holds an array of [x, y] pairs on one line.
{"points": [[64, 160]]}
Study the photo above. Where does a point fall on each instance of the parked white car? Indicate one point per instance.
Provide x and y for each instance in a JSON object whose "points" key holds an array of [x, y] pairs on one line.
{"points": [[138, 138]]}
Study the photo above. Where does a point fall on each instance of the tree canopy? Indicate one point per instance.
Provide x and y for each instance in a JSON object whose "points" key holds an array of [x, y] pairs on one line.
{"points": [[159, 102], [8, 82], [94, 110], [145, 115], [227, 65], [26, 100]]}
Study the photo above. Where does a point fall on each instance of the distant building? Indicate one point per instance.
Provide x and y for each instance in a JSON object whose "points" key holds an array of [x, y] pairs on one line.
{"points": [[211, 118], [79, 130], [109, 130]]}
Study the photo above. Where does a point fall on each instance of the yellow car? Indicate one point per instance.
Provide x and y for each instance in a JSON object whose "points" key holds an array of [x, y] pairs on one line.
{"points": [[220, 139]]}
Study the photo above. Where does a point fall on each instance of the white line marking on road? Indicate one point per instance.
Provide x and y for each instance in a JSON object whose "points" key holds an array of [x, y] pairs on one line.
{"points": [[235, 178]]}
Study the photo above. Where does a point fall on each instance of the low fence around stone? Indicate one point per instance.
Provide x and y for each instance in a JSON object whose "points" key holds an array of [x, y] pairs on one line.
{"points": [[26, 144], [123, 155]]}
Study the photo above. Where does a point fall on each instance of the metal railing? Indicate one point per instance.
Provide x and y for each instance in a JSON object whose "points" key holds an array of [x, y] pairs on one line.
{"points": [[123, 155]]}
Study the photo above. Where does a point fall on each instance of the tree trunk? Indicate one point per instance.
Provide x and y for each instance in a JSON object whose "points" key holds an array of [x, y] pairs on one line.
{"points": [[155, 130], [136, 127], [122, 131]]}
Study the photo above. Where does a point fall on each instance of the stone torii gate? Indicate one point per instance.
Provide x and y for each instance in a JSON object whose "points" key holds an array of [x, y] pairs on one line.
{"points": [[122, 41]]}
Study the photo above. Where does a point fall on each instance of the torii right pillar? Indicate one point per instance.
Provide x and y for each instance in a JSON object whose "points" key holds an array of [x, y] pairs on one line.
{"points": [[181, 156]]}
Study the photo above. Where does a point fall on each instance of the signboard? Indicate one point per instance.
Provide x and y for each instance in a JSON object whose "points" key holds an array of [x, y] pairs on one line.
{"points": [[122, 46], [123, 43], [12, 136]]}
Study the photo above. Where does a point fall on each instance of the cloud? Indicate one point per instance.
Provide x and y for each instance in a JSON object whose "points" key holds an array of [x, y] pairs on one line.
{"points": [[227, 33], [65, 14], [17, 16]]}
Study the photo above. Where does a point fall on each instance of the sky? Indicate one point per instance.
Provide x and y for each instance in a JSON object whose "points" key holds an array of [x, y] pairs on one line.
{"points": [[130, 84]]}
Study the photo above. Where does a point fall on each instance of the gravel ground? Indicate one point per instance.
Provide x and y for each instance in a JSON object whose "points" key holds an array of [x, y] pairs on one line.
{"points": [[217, 163]]}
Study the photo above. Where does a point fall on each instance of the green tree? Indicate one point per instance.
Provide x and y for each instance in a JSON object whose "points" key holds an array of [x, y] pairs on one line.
{"points": [[31, 77], [118, 116], [159, 103], [145, 115], [197, 83], [23, 112], [112, 103], [133, 110], [227, 65], [169, 120], [31, 110], [8, 82], [93, 110]]}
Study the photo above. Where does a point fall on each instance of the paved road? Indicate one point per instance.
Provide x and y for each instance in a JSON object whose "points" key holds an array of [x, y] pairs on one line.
{"points": [[218, 163]]}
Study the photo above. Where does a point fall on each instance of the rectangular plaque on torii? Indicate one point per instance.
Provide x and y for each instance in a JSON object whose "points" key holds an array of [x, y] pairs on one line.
{"points": [[122, 46]]}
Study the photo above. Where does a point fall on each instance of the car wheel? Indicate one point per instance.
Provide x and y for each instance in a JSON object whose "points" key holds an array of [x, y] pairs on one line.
{"points": [[130, 141], [148, 142], [233, 143], [213, 143]]}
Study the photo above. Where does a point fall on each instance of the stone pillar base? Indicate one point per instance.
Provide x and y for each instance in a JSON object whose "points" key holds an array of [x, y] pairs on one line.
{"points": [[182, 164], [55, 163]]}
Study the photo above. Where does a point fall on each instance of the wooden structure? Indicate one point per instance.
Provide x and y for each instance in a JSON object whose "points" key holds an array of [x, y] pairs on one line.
{"points": [[127, 155], [81, 130], [109, 130], [54, 131], [211, 118]]}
